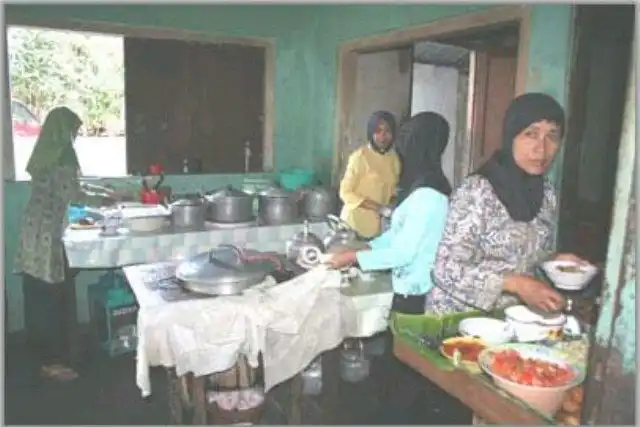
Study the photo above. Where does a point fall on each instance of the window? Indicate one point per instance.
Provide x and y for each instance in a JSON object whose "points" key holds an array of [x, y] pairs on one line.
{"points": [[192, 106]]}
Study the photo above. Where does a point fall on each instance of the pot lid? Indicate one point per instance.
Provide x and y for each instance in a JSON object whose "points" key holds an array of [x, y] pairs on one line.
{"points": [[188, 201], [229, 191], [275, 192], [223, 265]]}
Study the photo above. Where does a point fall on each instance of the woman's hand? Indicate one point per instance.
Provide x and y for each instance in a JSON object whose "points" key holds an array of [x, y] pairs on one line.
{"points": [[534, 293], [570, 258], [342, 259]]}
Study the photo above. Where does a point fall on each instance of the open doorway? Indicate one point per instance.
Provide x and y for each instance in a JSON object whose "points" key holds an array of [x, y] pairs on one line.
{"points": [[603, 40], [448, 67]]}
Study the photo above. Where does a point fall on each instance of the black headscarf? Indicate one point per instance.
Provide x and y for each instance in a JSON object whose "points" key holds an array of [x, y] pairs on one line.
{"points": [[420, 145], [521, 193], [372, 125]]}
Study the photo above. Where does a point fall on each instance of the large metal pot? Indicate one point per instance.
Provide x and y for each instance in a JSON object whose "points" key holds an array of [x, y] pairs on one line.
{"points": [[318, 202], [223, 271], [277, 206], [230, 206], [340, 235], [189, 212], [300, 240]]}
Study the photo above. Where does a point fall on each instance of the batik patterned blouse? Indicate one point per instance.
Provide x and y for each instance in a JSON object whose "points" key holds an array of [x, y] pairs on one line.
{"points": [[40, 251], [481, 243]]}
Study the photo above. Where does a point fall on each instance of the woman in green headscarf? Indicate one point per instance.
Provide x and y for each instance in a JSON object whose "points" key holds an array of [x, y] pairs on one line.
{"points": [[48, 286]]}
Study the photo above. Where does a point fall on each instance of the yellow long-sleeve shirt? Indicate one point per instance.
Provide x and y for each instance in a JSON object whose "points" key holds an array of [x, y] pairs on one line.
{"points": [[369, 175]]}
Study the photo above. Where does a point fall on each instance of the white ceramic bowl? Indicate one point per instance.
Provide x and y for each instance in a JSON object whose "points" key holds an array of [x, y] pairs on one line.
{"points": [[491, 331], [569, 280], [529, 326]]}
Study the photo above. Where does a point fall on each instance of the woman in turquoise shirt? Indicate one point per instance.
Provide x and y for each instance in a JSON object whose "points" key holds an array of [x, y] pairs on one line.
{"points": [[408, 248]]}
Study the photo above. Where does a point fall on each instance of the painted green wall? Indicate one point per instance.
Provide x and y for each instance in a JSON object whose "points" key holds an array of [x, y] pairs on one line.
{"points": [[307, 40]]}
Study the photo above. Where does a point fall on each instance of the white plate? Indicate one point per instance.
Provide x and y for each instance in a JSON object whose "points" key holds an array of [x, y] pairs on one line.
{"points": [[492, 331]]}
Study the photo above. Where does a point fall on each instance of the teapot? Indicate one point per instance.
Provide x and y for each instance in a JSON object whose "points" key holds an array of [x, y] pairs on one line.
{"points": [[340, 234], [305, 238]]}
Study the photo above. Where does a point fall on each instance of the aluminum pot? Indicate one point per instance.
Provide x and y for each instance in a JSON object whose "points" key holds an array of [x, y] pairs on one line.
{"points": [[277, 206], [318, 202], [230, 206], [189, 212]]}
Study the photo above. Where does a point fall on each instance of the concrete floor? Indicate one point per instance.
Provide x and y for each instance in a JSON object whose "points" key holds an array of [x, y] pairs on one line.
{"points": [[106, 394]]}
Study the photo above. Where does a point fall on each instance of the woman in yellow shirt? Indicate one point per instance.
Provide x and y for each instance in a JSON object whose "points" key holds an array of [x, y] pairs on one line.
{"points": [[371, 176]]}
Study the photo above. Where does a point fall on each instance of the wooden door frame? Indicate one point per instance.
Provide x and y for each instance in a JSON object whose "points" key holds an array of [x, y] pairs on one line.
{"points": [[139, 31], [348, 54]]}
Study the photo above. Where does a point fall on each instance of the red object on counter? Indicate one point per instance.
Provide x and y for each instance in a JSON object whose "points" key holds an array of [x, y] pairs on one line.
{"points": [[150, 197], [155, 169]]}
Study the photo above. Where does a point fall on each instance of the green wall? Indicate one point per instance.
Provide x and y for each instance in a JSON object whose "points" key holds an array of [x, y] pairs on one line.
{"points": [[307, 40]]}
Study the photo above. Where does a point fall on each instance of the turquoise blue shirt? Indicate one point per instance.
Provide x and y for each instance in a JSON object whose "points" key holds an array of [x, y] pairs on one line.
{"points": [[409, 247]]}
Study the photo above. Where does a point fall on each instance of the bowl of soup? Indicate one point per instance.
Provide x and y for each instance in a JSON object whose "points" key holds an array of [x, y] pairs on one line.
{"points": [[569, 275]]}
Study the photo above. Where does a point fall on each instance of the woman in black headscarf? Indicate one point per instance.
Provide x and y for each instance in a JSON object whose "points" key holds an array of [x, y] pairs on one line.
{"points": [[408, 248], [421, 143], [502, 219]]}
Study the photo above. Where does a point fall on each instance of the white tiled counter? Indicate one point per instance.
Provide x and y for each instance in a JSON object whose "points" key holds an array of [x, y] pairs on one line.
{"points": [[86, 249]]}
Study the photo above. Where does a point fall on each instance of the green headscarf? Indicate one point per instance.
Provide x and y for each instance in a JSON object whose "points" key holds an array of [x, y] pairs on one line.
{"points": [[54, 146]]}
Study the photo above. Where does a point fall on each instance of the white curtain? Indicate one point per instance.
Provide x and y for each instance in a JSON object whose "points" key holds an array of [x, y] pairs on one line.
{"points": [[8, 171]]}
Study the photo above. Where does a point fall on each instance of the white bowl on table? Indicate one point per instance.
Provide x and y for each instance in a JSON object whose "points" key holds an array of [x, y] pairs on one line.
{"points": [[529, 326], [568, 275], [492, 331]]}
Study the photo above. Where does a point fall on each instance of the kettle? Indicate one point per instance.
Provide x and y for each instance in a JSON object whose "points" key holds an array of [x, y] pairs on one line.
{"points": [[340, 234], [305, 238]]}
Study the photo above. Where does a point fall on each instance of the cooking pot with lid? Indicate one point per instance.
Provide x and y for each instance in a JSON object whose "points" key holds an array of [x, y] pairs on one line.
{"points": [[318, 202], [225, 270], [277, 206], [189, 212], [230, 206]]}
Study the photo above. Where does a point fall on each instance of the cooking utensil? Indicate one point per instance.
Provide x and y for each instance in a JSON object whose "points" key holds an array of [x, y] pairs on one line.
{"points": [[529, 326], [225, 270], [189, 212], [340, 234], [305, 238], [354, 366], [230, 206], [318, 202], [277, 206], [147, 219]]}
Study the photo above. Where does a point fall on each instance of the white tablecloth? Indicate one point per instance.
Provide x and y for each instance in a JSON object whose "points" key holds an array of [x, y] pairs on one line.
{"points": [[289, 323]]}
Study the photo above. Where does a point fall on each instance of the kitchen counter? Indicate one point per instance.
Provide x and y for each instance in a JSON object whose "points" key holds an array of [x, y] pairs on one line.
{"points": [[88, 249]]}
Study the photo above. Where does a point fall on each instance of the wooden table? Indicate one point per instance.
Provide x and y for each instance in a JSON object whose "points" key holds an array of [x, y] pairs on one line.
{"points": [[477, 392]]}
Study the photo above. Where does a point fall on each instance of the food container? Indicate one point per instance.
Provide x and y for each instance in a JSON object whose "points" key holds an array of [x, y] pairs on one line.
{"points": [[225, 270], [277, 206], [189, 212], [492, 331], [465, 352], [545, 399], [569, 276], [230, 206], [529, 326], [354, 366], [145, 219]]}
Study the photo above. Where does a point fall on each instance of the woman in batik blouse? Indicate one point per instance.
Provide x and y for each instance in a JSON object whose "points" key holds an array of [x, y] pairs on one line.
{"points": [[502, 219]]}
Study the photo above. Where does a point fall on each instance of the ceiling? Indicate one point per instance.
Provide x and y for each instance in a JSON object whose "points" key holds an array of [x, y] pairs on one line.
{"points": [[441, 54]]}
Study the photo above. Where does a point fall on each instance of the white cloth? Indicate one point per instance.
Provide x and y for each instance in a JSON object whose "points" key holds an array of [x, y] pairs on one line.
{"points": [[289, 323]]}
